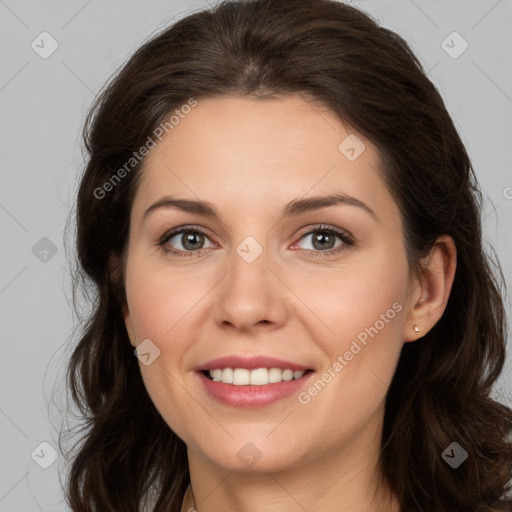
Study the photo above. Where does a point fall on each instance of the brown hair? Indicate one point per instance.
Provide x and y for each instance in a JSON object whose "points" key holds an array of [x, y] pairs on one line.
{"points": [[369, 77]]}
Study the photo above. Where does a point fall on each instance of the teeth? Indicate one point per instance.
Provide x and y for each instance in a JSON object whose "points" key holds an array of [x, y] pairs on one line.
{"points": [[241, 377], [227, 375], [258, 377]]}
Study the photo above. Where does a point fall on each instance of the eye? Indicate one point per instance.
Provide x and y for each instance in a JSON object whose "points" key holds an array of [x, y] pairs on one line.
{"points": [[323, 240], [184, 241], [189, 241]]}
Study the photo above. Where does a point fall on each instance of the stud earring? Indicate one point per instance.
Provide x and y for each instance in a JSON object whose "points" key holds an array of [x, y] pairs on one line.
{"points": [[416, 329]]}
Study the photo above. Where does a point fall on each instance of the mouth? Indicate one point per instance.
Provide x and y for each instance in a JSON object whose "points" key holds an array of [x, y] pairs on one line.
{"points": [[260, 387]]}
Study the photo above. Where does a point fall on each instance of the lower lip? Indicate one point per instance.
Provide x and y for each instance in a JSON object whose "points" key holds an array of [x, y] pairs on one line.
{"points": [[252, 396]]}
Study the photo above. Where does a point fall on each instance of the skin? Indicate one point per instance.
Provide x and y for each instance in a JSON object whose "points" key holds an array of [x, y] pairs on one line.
{"points": [[249, 158]]}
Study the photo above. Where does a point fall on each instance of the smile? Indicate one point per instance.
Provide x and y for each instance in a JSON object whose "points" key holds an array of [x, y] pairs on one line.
{"points": [[256, 381], [257, 377]]}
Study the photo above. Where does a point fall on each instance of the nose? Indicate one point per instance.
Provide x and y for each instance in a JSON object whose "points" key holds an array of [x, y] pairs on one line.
{"points": [[252, 295]]}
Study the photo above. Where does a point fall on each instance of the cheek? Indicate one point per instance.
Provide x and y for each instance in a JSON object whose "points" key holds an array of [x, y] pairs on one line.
{"points": [[360, 362], [159, 299], [366, 294], [365, 310], [158, 305]]}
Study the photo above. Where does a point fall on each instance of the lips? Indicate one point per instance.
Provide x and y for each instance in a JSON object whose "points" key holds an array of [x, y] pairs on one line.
{"points": [[252, 382], [250, 396]]}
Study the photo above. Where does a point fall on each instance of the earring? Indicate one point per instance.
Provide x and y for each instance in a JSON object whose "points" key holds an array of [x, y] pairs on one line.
{"points": [[416, 329]]}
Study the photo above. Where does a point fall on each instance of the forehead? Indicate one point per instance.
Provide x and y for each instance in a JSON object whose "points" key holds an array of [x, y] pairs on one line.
{"points": [[255, 153]]}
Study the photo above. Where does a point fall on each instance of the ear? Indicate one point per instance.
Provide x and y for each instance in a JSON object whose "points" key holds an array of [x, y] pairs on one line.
{"points": [[434, 285], [129, 325], [115, 264]]}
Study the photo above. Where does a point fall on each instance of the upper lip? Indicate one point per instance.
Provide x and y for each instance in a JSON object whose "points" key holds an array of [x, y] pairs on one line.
{"points": [[250, 363]]}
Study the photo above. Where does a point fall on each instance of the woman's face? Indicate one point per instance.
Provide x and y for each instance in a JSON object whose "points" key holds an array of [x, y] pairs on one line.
{"points": [[267, 284]]}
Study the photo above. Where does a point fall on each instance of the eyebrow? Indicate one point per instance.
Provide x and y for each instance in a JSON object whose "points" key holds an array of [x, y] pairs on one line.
{"points": [[292, 209]]}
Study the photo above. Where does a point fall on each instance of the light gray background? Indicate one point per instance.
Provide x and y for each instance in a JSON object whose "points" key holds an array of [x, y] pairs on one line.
{"points": [[43, 103]]}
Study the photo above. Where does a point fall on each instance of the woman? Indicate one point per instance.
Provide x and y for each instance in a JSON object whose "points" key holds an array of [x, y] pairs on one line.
{"points": [[283, 226]]}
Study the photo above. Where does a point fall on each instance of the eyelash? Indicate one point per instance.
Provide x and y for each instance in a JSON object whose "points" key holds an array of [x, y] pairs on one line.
{"points": [[343, 235]]}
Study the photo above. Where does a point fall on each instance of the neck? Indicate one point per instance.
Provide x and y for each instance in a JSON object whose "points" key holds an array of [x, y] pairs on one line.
{"points": [[343, 480]]}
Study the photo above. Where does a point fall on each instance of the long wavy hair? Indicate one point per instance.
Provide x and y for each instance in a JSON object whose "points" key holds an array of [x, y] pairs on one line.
{"points": [[367, 75]]}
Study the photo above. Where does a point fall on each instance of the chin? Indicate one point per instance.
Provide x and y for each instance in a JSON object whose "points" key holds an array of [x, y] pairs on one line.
{"points": [[248, 454]]}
